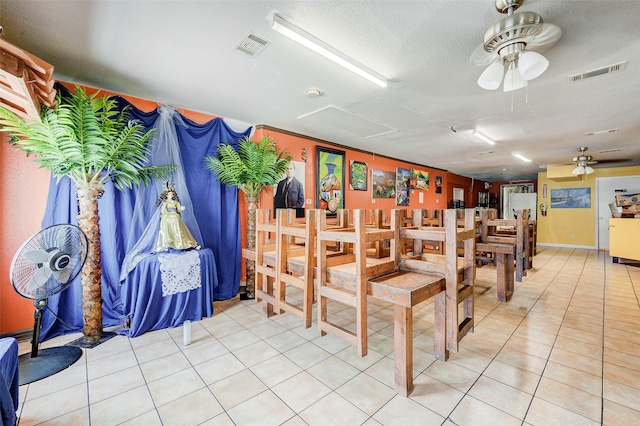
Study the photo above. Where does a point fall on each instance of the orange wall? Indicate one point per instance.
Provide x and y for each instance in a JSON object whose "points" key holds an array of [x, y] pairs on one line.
{"points": [[23, 198], [355, 199]]}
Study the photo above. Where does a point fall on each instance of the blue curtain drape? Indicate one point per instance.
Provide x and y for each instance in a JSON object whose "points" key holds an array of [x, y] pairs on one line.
{"points": [[215, 207]]}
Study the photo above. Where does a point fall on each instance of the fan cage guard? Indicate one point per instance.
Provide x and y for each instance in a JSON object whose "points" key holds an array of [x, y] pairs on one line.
{"points": [[67, 238], [63, 243]]}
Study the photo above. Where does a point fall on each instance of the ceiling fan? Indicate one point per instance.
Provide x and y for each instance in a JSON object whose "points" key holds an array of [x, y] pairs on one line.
{"points": [[583, 162], [514, 43]]}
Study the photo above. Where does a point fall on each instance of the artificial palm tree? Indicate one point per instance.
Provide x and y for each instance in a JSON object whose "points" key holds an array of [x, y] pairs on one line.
{"points": [[86, 138], [251, 168]]}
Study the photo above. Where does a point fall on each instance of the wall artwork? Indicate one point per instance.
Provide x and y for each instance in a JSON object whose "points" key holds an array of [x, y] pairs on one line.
{"points": [[383, 184], [330, 178], [358, 175], [438, 184], [403, 178], [288, 193], [419, 179], [571, 198]]}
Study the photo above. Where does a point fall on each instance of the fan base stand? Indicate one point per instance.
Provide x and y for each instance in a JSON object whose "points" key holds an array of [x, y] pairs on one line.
{"points": [[48, 362], [106, 335]]}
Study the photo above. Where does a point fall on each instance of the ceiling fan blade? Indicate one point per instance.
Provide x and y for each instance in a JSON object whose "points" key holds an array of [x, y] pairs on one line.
{"points": [[615, 161], [547, 38], [482, 58], [36, 256], [62, 275], [38, 279]]}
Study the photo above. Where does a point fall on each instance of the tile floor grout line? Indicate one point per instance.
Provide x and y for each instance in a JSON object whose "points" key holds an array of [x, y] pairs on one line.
{"points": [[502, 347], [555, 340]]}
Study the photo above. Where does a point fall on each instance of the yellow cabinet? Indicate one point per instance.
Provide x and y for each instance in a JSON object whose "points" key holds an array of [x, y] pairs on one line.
{"points": [[624, 238]]}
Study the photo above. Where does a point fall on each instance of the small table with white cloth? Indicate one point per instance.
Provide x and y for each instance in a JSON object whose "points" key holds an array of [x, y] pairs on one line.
{"points": [[163, 290]]}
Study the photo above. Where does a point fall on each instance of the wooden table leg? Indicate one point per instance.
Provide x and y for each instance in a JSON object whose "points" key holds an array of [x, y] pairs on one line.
{"points": [[509, 275], [440, 329], [267, 308], [403, 349], [504, 265]]}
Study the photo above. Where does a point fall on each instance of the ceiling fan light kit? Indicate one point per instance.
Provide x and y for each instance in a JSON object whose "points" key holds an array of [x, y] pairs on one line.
{"points": [[582, 163], [513, 39], [513, 80], [491, 77], [532, 64]]}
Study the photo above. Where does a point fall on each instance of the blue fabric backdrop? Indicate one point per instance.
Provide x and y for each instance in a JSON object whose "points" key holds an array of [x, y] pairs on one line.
{"points": [[215, 207]]}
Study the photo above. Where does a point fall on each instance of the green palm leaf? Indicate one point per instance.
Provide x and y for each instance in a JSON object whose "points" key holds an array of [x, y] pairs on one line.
{"points": [[86, 138], [252, 167]]}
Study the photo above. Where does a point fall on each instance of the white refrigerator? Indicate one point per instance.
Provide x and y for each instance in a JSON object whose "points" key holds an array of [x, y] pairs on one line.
{"points": [[519, 201]]}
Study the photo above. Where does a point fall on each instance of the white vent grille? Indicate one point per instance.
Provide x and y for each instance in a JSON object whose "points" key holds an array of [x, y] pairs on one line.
{"points": [[252, 45], [620, 66], [605, 151]]}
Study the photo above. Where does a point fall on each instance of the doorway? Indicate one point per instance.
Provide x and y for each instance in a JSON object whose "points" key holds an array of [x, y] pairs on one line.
{"points": [[505, 190], [606, 189], [458, 195]]}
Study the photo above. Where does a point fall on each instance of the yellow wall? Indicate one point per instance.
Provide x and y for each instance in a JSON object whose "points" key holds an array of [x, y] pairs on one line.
{"points": [[559, 224]]}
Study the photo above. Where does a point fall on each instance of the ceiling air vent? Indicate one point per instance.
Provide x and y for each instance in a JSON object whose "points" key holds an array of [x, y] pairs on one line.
{"points": [[620, 66], [251, 44]]}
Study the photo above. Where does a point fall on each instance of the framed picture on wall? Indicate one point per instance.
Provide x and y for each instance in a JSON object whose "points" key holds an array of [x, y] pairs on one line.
{"points": [[383, 184], [419, 179], [288, 193], [403, 178], [330, 179], [571, 198], [358, 175], [438, 184]]}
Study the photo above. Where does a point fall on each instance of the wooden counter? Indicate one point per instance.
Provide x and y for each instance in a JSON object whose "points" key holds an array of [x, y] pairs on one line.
{"points": [[624, 238]]}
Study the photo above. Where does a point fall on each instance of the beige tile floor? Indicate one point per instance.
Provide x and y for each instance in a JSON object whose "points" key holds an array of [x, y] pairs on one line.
{"points": [[564, 351]]}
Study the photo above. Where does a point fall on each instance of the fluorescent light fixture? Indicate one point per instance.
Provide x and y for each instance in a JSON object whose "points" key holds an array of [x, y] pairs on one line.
{"points": [[483, 137], [304, 38], [521, 157]]}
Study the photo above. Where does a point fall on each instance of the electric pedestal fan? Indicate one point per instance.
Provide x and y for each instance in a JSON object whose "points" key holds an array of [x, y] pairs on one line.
{"points": [[45, 265]]}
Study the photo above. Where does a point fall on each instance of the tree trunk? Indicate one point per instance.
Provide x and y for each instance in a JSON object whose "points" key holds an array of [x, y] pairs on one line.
{"points": [[88, 221], [252, 201]]}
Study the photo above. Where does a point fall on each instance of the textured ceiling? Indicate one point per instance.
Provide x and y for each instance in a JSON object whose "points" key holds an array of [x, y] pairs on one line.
{"points": [[183, 53]]}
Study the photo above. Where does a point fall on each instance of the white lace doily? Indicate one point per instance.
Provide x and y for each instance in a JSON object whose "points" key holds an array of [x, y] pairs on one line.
{"points": [[180, 272]]}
